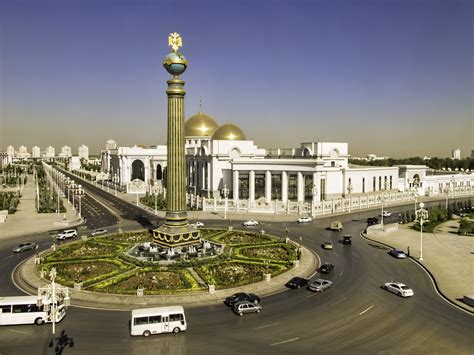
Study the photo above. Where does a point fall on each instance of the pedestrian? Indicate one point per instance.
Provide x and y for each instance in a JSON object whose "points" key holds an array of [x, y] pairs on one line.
{"points": [[408, 250]]}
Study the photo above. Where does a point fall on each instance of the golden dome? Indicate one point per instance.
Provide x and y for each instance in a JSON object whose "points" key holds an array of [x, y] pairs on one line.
{"points": [[229, 132], [200, 125]]}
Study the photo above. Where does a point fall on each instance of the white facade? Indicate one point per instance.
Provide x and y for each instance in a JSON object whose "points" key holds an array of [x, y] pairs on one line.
{"points": [[66, 152], [36, 152], [83, 152], [49, 153], [456, 153]]}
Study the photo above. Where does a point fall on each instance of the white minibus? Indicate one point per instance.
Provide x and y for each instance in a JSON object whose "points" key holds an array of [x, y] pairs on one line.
{"points": [[24, 310], [157, 320]]}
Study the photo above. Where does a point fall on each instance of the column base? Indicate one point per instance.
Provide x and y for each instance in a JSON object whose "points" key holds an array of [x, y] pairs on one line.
{"points": [[172, 236]]}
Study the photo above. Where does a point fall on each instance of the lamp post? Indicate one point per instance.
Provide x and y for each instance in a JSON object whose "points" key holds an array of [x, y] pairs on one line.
{"points": [[80, 191], [115, 184], [156, 210], [421, 216], [225, 191], [446, 191], [73, 194], [314, 191], [50, 295], [349, 191]]}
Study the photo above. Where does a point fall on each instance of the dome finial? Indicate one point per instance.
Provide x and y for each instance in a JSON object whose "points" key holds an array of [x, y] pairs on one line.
{"points": [[200, 105]]}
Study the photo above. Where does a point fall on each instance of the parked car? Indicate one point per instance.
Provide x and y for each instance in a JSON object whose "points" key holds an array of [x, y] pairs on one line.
{"points": [[68, 233], [24, 246], [297, 282], [346, 239], [398, 288], [319, 285], [304, 219], [327, 245], [99, 231], [198, 224], [386, 214], [246, 307], [336, 226], [250, 223], [241, 296], [326, 268], [397, 253], [372, 220]]}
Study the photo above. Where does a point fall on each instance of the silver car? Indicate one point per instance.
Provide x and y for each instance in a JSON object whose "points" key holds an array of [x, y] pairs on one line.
{"points": [[398, 288], [319, 285], [24, 246], [247, 307]]}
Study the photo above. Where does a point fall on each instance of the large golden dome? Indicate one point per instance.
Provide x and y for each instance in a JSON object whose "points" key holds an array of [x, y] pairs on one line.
{"points": [[200, 125], [229, 132]]}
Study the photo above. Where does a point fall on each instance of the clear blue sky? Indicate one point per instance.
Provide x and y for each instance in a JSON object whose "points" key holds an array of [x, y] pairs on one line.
{"points": [[390, 77]]}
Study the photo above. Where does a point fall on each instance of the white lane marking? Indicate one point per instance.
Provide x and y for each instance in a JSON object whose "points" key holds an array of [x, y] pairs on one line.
{"points": [[342, 271], [18, 331], [266, 326], [342, 299], [284, 341], [366, 310], [355, 255], [8, 257]]}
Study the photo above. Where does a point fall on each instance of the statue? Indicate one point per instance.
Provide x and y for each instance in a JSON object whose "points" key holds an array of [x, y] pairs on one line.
{"points": [[175, 41]]}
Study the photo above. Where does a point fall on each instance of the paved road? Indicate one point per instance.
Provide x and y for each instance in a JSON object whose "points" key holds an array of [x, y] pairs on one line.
{"points": [[354, 317]]}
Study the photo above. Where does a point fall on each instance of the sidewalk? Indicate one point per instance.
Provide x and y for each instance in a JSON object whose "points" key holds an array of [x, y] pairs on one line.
{"points": [[27, 221], [447, 256]]}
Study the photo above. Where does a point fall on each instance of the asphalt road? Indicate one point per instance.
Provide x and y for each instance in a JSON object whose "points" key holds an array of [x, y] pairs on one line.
{"points": [[355, 316]]}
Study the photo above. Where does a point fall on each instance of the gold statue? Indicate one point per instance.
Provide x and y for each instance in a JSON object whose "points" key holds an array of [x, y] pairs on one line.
{"points": [[175, 41]]}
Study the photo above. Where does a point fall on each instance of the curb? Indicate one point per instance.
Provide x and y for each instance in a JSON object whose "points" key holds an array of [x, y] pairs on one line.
{"points": [[461, 306]]}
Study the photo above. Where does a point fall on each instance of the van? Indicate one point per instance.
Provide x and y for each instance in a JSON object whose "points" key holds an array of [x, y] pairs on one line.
{"points": [[147, 321], [336, 226]]}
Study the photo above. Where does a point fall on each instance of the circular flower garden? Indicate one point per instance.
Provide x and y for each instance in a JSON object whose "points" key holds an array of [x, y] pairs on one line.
{"points": [[101, 264]]}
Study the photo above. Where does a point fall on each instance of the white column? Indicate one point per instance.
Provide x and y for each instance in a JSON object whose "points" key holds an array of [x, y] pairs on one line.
{"points": [[268, 186], [235, 185], [284, 186], [252, 185], [300, 187], [317, 183], [209, 176], [203, 175]]}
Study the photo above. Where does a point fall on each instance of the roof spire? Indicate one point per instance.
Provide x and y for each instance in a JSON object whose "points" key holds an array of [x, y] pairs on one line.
{"points": [[200, 105]]}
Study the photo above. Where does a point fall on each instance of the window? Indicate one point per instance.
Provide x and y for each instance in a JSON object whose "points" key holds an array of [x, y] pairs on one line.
{"points": [[176, 317], [6, 309], [154, 319], [363, 185], [374, 182], [20, 308], [140, 321], [391, 182]]}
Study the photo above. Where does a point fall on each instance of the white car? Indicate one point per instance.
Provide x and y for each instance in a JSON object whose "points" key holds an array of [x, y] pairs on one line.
{"points": [[386, 214], [304, 219], [68, 233], [250, 223], [198, 224], [399, 289]]}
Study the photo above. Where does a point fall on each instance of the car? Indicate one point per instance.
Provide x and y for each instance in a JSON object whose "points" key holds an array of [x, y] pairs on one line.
{"points": [[327, 245], [326, 268], [372, 220], [68, 233], [250, 223], [398, 288], [198, 224], [397, 253], [304, 219], [386, 214], [246, 307], [99, 231], [346, 239], [297, 282], [24, 246], [336, 226], [241, 296], [319, 285]]}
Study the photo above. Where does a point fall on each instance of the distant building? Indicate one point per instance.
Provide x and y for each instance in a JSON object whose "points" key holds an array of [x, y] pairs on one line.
{"points": [[22, 153], [49, 153], [83, 152], [66, 152], [472, 153], [11, 152], [36, 152], [456, 153]]}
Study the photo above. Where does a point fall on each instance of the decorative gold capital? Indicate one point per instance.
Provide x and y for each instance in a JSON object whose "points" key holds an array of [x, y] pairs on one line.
{"points": [[175, 41]]}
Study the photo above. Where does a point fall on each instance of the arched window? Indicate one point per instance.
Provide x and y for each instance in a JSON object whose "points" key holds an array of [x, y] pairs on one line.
{"points": [[138, 170], [159, 172]]}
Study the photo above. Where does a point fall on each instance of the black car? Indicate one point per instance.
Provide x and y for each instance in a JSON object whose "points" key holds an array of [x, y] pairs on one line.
{"points": [[297, 282], [326, 268], [372, 220], [346, 239], [241, 296]]}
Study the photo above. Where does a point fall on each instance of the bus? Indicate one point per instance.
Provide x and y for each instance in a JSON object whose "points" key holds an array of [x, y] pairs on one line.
{"points": [[157, 320], [25, 310]]}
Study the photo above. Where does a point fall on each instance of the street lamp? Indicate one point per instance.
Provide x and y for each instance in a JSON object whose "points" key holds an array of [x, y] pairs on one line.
{"points": [[50, 295], [225, 191], [422, 217], [115, 184], [349, 191], [79, 195], [314, 191]]}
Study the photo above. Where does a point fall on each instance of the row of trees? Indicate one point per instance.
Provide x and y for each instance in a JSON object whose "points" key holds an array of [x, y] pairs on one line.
{"points": [[9, 201], [433, 163], [88, 166], [48, 199]]}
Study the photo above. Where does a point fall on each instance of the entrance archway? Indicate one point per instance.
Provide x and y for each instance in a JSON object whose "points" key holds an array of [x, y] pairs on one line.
{"points": [[138, 170]]}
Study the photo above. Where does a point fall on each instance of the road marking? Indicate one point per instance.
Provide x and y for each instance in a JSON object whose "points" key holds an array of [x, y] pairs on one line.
{"points": [[8, 257], [366, 310], [342, 271], [342, 299], [266, 326], [284, 341], [355, 255], [313, 294], [18, 331]]}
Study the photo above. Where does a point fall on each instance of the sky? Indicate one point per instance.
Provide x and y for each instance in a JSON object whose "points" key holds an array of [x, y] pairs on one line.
{"points": [[390, 77]]}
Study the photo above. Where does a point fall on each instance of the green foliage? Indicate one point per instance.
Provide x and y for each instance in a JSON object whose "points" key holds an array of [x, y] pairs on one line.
{"points": [[149, 200], [466, 227], [9, 201]]}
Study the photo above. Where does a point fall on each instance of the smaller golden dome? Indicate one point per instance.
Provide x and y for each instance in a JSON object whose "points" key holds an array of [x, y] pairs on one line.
{"points": [[229, 132], [200, 125]]}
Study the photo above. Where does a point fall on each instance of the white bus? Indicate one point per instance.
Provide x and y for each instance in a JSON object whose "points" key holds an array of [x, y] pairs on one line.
{"points": [[157, 320], [24, 310]]}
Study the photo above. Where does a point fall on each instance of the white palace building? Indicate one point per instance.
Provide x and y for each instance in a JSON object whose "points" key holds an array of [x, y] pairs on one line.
{"points": [[226, 170]]}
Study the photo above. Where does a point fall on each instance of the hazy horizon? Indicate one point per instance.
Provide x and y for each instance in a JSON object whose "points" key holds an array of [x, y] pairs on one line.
{"points": [[393, 78]]}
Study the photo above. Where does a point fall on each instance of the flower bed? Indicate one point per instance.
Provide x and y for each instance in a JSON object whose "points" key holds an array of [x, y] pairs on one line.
{"points": [[277, 252], [84, 250], [126, 238], [237, 237]]}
